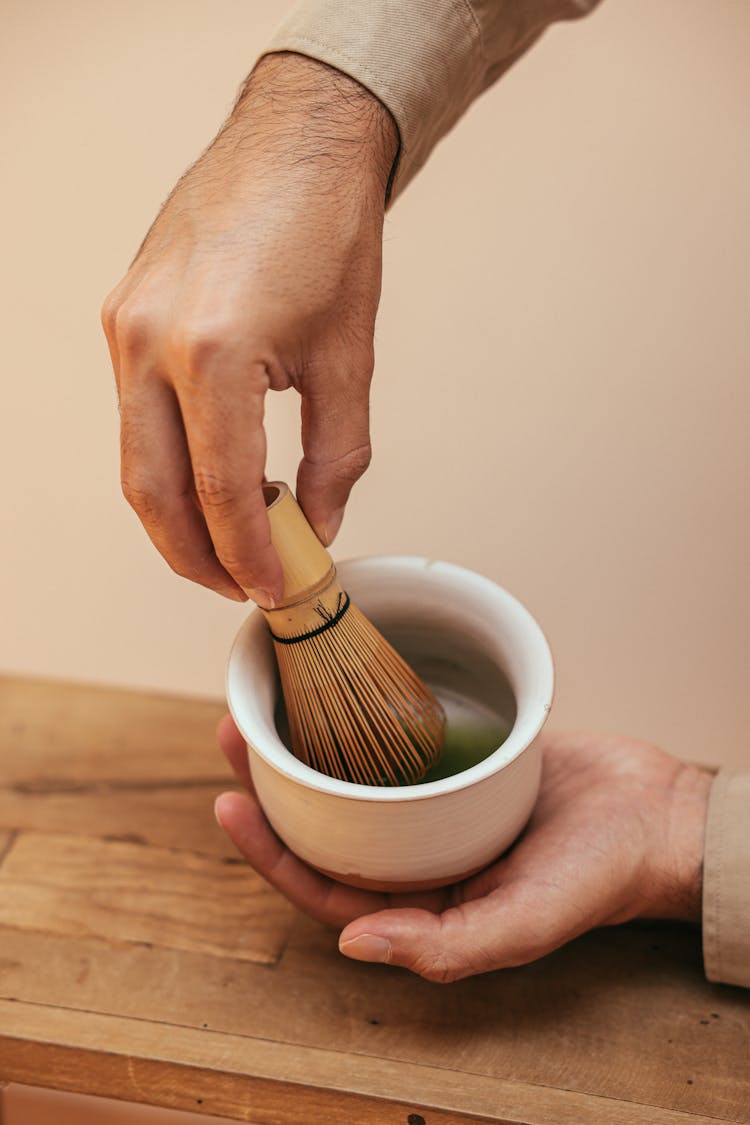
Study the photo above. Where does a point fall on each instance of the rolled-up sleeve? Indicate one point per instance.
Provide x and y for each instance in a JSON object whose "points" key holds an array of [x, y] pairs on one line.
{"points": [[426, 60], [726, 880]]}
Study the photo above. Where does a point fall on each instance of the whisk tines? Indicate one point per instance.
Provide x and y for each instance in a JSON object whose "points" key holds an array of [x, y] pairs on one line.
{"points": [[356, 710]]}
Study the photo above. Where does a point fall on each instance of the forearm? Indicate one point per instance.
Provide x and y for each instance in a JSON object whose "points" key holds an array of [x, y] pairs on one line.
{"points": [[316, 119], [426, 60], [299, 117]]}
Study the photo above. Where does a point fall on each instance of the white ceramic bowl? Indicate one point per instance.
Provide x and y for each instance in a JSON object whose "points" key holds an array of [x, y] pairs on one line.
{"points": [[473, 643]]}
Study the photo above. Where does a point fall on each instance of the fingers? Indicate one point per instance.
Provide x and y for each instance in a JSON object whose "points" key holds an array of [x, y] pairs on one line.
{"points": [[513, 925], [233, 747], [323, 899], [561, 878], [516, 922], [222, 408], [439, 947], [192, 426], [192, 402], [336, 444], [157, 482]]}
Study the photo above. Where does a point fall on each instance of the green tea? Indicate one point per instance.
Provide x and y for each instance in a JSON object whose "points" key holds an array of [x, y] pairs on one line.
{"points": [[473, 731], [465, 746]]}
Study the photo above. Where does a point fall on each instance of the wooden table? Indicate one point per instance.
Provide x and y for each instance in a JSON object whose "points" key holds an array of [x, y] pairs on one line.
{"points": [[141, 960]]}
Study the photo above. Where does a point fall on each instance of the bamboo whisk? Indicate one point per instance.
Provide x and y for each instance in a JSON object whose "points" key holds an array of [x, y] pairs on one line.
{"points": [[356, 710]]}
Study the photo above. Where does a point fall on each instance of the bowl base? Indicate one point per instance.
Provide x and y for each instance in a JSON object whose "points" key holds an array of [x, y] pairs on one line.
{"points": [[394, 886]]}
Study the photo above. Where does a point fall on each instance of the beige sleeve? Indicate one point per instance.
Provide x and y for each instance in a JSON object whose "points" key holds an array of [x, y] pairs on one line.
{"points": [[426, 60], [726, 880]]}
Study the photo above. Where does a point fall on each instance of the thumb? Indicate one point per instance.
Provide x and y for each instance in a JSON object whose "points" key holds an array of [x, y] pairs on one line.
{"points": [[433, 945], [475, 937], [336, 447]]}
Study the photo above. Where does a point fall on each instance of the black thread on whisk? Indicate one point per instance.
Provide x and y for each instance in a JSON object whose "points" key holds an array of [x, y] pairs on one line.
{"points": [[320, 629]]}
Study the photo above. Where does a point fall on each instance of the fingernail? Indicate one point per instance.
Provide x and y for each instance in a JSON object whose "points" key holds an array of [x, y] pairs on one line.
{"points": [[331, 529], [367, 947], [216, 812], [261, 598]]}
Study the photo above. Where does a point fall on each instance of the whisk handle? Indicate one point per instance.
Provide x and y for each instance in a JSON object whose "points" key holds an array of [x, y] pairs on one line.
{"points": [[305, 562]]}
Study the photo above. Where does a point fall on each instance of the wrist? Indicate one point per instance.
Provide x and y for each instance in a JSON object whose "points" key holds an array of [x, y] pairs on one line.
{"points": [[315, 121], [677, 876]]}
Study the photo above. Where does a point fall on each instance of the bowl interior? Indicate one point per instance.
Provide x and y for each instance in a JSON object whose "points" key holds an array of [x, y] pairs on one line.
{"points": [[474, 644], [478, 701]]}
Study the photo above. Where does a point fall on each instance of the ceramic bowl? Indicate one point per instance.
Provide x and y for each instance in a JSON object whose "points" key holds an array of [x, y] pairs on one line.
{"points": [[484, 656]]}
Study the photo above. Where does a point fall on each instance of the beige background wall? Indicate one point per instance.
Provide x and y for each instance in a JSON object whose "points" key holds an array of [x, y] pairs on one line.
{"points": [[564, 343]]}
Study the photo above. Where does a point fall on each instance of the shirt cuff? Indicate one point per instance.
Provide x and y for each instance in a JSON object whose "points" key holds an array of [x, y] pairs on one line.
{"points": [[726, 880], [425, 60]]}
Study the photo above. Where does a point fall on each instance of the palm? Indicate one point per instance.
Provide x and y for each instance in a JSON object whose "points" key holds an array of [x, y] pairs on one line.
{"points": [[594, 853]]}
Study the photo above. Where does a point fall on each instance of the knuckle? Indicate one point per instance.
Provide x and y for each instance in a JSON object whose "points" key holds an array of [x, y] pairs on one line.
{"points": [[181, 568], [198, 346], [351, 465], [108, 314], [438, 969], [143, 497], [237, 568], [240, 560], [185, 566], [186, 558], [203, 341], [215, 492], [135, 325]]}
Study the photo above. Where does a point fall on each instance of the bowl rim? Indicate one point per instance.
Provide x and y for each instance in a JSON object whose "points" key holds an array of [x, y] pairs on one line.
{"points": [[293, 769]]}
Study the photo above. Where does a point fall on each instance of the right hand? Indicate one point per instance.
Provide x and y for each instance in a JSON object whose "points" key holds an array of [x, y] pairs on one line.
{"points": [[262, 271]]}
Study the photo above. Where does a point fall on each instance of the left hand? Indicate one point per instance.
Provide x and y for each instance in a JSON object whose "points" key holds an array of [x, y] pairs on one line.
{"points": [[617, 833]]}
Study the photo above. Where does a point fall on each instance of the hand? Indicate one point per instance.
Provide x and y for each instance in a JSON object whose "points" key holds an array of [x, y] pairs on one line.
{"points": [[262, 271], [617, 834]]}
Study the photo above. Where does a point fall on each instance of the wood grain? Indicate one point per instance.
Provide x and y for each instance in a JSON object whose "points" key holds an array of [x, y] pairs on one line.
{"points": [[55, 733], [147, 967], [581, 1021], [139, 766], [33, 1105], [167, 816], [268, 1083], [124, 892], [7, 839]]}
